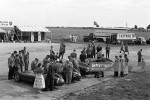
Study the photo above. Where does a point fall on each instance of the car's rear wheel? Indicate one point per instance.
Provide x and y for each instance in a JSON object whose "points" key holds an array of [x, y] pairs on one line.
{"points": [[17, 77]]}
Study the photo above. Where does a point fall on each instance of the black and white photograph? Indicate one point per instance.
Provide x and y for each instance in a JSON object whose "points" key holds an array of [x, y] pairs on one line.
{"points": [[74, 50]]}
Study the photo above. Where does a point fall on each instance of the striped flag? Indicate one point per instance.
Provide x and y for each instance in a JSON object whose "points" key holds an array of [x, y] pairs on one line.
{"points": [[95, 23]]}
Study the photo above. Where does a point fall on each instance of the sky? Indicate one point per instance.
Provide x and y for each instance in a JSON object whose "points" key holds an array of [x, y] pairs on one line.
{"points": [[76, 13]]}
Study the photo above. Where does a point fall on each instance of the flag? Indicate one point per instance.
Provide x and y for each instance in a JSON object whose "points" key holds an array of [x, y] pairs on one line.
{"points": [[95, 23]]}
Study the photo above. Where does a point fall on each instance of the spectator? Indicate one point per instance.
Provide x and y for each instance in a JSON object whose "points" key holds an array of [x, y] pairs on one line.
{"points": [[122, 47], [34, 64], [121, 66], [126, 48], [26, 61], [49, 81], [107, 51], [88, 51], [93, 49], [143, 65], [62, 50], [11, 64], [116, 67], [82, 56], [74, 62], [74, 54], [68, 69], [45, 62], [99, 48], [139, 56], [126, 64], [39, 82]]}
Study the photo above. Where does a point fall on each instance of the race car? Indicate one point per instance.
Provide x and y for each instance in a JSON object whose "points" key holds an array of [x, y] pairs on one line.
{"points": [[92, 65], [29, 76]]}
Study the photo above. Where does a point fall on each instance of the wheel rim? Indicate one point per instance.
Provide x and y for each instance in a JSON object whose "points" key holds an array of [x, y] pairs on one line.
{"points": [[17, 77]]}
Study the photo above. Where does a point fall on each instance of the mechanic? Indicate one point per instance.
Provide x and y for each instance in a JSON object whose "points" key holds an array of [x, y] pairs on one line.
{"points": [[107, 51], [34, 63], [74, 54], [116, 66], [68, 69], [49, 81]]}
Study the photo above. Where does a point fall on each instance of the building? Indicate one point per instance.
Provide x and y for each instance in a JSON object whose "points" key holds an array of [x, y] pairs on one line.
{"points": [[30, 33]]}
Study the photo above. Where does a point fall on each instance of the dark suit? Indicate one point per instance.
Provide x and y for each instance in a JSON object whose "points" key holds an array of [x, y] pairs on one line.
{"points": [[49, 82]]}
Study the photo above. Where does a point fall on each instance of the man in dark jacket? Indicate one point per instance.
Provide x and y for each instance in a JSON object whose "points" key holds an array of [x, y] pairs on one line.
{"points": [[74, 54], [62, 50], [93, 50], [82, 56], [49, 81], [107, 51]]}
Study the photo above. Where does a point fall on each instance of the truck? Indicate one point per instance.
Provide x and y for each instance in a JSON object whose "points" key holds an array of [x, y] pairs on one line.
{"points": [[95, 36], [111, 38]]}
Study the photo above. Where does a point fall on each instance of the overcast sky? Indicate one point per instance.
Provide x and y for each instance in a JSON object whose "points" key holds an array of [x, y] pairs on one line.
{"points": [[107, 13]]}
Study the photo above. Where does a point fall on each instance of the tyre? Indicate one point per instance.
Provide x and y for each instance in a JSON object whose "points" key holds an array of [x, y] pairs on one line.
{"points": [[17, 77]]}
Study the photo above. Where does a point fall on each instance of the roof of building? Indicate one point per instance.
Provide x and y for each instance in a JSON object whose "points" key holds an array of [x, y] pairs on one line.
{"points": [[2, 31], [32, 29]]}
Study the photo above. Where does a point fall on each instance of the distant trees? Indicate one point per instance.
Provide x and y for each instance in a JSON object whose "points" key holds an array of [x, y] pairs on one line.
{"points": [[148, 27], [135, 27]]}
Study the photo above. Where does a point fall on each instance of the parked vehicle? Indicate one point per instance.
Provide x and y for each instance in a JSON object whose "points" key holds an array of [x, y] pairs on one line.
{"points": [[148, 41], [140, 41], [94, 65], [29, 76], [92, 37]]}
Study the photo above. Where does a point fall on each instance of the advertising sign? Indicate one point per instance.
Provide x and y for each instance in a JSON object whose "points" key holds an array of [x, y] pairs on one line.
{"points": [[6, 24], [126, 36], [99, 66]]}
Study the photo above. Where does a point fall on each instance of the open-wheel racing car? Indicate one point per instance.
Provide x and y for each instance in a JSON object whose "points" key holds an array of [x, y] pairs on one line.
{"points": [[92, 65], [29, 76]]}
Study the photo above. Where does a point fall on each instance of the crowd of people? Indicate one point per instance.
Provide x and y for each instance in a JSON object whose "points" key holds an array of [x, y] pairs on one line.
{"points": [[53, 63]]}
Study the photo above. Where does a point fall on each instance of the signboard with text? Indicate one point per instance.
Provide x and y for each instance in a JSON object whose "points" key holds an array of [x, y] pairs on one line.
{"points": [[6, 23], [126, 36], [99, 66]]}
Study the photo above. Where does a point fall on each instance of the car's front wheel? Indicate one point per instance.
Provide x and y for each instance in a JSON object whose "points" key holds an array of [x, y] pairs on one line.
{"points": [[17, 77]]}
